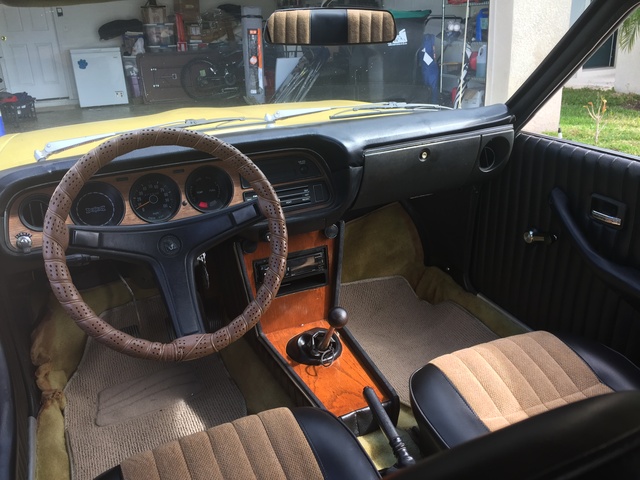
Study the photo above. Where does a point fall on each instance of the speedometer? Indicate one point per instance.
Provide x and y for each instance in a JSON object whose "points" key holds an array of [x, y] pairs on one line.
{"points": [[154, 198]]}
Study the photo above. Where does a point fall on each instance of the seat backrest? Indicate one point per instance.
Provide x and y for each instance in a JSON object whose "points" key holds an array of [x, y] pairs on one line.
{"points": [[594, 438]]}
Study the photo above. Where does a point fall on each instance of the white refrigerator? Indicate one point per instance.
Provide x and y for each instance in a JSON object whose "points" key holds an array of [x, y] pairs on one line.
{"points": [[99, 76]]}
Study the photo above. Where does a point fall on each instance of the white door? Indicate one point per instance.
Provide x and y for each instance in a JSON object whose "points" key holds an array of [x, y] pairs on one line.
{"points": [[31, 54]]}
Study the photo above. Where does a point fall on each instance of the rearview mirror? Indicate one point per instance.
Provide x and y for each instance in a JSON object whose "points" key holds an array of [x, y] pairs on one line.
{"points": [[330, 26]]}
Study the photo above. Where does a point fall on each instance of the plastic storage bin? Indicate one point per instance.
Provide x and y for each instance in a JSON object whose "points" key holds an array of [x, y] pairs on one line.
{"points": [[159, 34], [481, 62]]}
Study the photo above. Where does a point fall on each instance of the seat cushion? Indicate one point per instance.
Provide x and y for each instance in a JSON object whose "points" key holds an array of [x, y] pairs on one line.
{"points": [[590, 439], [307, 443], [471, 392]]}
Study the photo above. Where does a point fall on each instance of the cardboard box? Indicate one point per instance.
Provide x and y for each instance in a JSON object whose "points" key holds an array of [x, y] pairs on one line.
{"points": [[190, 10], [157, 14], [473, 98]]}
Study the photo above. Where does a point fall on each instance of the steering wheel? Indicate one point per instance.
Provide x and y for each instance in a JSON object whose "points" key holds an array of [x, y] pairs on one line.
{"points": [[170, 248]]}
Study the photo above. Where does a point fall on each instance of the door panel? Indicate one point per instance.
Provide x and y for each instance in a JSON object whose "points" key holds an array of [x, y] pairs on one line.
{"points": [[556, 286]]}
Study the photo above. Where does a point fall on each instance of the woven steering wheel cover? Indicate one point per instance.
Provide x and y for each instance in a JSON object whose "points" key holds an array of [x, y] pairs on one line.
{"points": [[56, 241]]}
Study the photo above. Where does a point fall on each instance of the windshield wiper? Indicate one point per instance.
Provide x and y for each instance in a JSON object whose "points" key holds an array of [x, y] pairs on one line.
{"points": [[295, 112], [353, 110], [58, 146], [385, 108], [348, 111]]}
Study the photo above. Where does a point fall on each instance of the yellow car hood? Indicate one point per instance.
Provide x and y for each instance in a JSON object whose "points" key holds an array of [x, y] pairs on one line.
{"points": [[18, 149]]}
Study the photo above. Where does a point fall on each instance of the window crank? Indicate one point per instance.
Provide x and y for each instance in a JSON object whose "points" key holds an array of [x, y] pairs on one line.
{"points": [[534, 236]]}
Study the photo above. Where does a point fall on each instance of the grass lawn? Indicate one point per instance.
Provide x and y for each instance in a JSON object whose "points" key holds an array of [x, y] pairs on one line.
{"points": [[621, 121]]}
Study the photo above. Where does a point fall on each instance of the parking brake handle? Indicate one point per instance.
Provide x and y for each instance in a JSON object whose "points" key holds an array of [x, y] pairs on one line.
{"points": [[404, 459]]}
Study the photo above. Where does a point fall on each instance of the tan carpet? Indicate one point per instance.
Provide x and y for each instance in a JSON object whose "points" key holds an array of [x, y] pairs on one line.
{"points": [[385, 243], [401, 333], [157, 402]]}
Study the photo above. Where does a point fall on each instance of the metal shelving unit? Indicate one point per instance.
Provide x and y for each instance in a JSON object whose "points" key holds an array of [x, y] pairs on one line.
{"points": [[462, 76]]}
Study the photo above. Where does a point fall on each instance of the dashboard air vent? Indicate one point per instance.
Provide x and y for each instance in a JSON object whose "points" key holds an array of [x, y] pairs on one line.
{"points": [[32, 211], [494, 153]]}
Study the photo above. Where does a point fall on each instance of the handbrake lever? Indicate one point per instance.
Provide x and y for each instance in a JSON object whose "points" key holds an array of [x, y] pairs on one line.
{"points": [[404, 459]]}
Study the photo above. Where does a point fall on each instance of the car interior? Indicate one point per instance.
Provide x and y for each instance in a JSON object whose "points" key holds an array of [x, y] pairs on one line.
{"points": [[432, 293]]}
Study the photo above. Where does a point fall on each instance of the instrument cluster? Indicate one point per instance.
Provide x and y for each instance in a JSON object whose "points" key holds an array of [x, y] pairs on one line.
{"points": [[164, 193], [129, 198], [152, 197]]}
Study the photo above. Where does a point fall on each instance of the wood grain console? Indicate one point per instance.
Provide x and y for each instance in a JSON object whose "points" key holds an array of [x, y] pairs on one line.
{"points": [[338, 386]]}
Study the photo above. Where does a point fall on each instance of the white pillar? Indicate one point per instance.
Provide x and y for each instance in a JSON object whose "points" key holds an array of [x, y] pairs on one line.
{"points": [[521, 34]]}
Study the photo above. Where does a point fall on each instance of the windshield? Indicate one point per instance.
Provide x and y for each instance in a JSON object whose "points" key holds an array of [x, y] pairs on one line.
{"points": [[195, 64]]}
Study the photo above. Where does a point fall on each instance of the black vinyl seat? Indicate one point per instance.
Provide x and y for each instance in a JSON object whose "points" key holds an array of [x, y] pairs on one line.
{"points": [[589, 439], [565, 418], [303, 443], [482, 389], [597, 437]]}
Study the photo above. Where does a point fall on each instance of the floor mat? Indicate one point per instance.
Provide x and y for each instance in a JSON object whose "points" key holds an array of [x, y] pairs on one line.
{"points": [[152, 404], [401, 333]]}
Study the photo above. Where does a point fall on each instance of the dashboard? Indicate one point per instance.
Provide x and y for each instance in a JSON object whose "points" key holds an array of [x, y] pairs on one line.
{"points": [[169, 192], [319, 173]]}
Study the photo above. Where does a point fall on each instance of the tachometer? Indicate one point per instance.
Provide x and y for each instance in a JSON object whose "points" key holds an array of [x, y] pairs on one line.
{"points": [[154, 198], [97, 204], [209, 188]]}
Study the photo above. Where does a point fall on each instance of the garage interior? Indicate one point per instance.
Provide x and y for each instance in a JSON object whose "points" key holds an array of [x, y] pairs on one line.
{"points": [[155, 52]]}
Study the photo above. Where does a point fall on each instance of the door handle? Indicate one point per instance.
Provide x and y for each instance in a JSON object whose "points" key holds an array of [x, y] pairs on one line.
{"points": [[607, 210], [608, 219], [621, 277]]}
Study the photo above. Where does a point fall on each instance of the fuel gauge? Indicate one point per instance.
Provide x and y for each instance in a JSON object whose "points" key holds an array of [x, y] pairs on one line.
{"points": [[209, 188]]}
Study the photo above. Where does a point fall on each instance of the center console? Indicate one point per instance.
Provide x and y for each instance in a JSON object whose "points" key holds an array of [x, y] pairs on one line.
{"points": [[307, 299]]}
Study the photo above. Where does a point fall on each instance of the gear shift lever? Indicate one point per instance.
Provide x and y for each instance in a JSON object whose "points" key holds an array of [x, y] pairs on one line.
{"points": [[337, 319], [319, 346]]}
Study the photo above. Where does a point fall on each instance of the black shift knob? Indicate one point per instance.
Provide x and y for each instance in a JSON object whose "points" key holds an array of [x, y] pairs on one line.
{"points": [[337, 317]]}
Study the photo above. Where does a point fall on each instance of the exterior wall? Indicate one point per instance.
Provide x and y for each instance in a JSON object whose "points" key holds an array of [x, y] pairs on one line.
{"points": [[623, 77], [627, 79], [593, 78], [519, 40], [520, 37]]}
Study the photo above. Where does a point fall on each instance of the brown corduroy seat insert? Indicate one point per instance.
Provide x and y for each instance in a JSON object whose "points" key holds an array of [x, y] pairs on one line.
{"points": [[267, 445], [514, 378], [290, 27], [369, 27]]}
